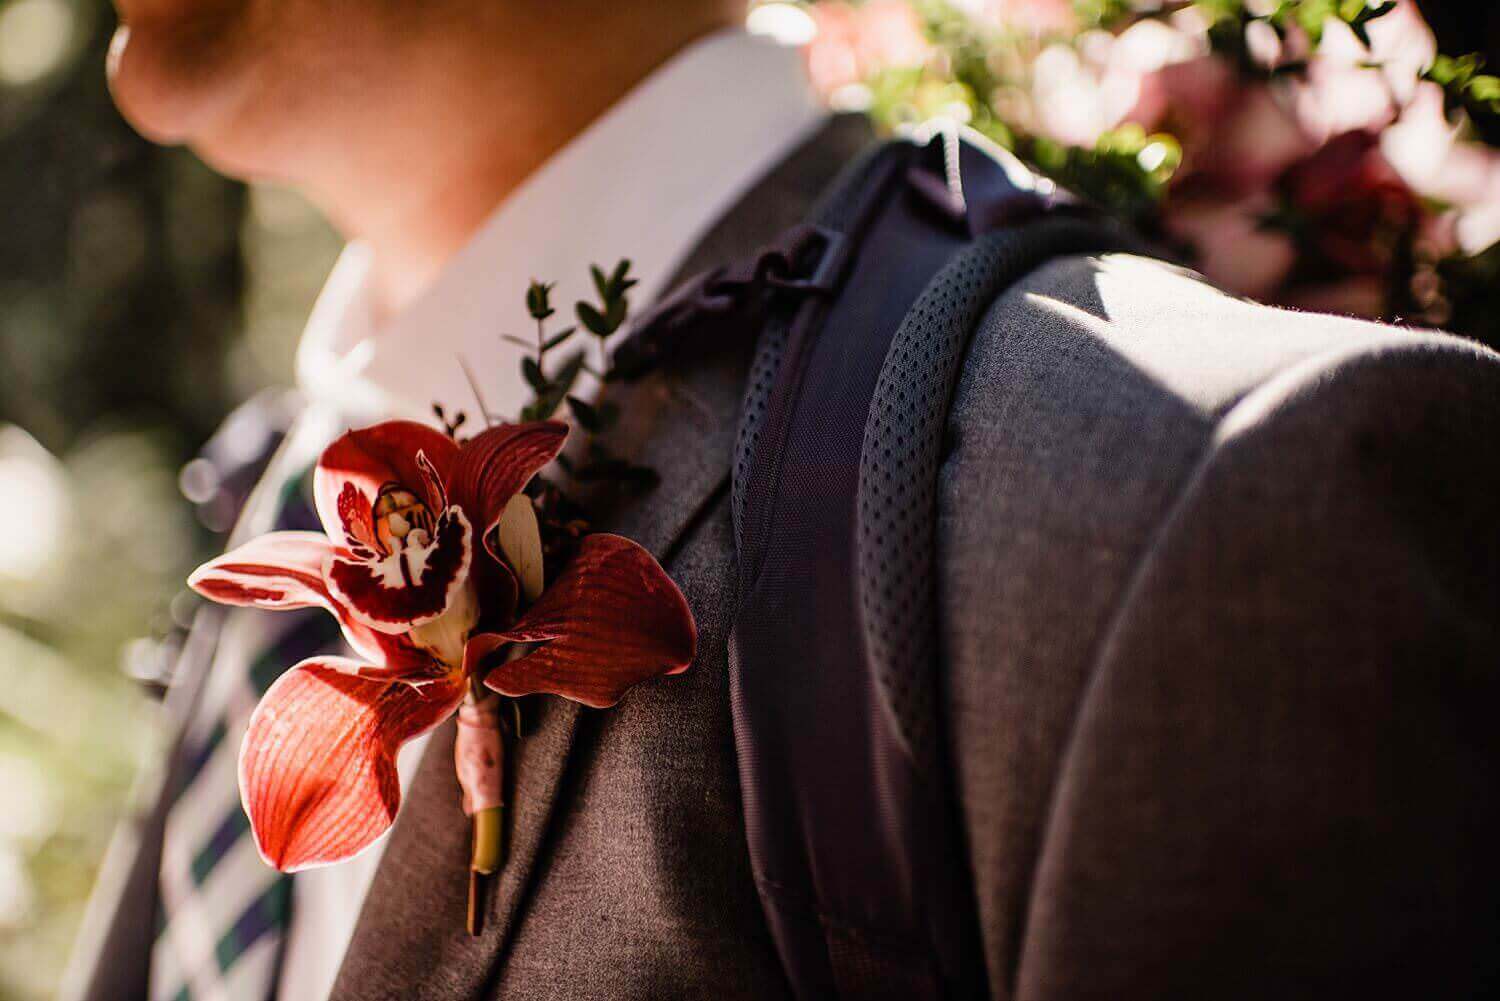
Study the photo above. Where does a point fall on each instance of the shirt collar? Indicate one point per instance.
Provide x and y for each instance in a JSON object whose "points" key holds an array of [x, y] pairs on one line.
{"points": [[644, 181]]}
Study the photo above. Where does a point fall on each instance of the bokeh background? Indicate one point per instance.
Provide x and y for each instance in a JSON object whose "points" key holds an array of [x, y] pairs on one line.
{"points": [[142, 297]]}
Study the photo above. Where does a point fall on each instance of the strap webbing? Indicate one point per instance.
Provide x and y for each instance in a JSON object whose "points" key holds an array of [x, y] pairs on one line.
{"points": [[850, 816], [851, 839]]}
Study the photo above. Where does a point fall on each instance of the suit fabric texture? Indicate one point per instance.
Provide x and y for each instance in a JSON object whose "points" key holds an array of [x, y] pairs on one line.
{"points": [[1218, 596]]}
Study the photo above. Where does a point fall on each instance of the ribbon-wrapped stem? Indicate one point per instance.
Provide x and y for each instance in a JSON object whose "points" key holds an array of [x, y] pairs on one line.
{"points": [[479, 758]]}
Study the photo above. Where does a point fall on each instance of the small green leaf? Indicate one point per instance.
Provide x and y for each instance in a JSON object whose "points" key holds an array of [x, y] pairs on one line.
{"points": [[615, 315], [518, 341], [550, 398], [538, 299], [532, 373], [620, 282], [1363, 14], [1450, 71], [558, 338], [1485, 88], [593, 320], [586, 416], [602, 284]]}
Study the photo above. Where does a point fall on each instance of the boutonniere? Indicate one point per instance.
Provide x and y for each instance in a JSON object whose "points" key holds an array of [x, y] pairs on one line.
{"points": [[434, 562]]}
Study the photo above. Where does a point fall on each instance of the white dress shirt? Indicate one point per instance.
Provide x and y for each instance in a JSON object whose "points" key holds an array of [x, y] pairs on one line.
{"points": [[644, 181]]}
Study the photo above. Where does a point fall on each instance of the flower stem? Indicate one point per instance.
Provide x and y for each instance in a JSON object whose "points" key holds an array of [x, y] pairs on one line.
{"points": [[489, 841], [486, 858], [489, 420], [479, 756]]}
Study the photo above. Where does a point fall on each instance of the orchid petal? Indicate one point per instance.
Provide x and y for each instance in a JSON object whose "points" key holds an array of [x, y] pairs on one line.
{"points": [[411, 586], [279, 570], [284, 570], [612, 618], [318, 764], [354, 468], [494, 465], [520, 540]]}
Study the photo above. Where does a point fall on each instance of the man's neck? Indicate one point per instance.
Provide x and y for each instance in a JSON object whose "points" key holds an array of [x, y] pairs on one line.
{"points": [[428, 174]]}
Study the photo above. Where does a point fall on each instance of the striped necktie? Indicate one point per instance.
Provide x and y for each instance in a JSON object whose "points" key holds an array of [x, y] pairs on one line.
{"points": [[224, 913]]}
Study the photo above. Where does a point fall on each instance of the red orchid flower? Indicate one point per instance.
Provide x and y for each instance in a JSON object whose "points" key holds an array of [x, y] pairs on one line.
{"points": [[432, 563]]}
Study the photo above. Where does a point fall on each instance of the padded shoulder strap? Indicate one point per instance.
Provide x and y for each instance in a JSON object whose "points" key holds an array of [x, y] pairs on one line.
{"points": [[851, 822]]}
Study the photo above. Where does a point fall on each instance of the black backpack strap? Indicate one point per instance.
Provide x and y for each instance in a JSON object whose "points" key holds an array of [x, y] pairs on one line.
{"points": [[851, 819], [863, 314]]}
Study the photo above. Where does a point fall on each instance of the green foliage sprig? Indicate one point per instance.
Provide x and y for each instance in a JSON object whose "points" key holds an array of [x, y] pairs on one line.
{"points": [[552, 384], [1465, 87], [981, 70], [1309, 15], [1229, 20], [1125, 172]]}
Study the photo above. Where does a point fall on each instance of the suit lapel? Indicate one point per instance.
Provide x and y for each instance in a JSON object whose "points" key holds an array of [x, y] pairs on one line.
{"points": [[409, 942]]}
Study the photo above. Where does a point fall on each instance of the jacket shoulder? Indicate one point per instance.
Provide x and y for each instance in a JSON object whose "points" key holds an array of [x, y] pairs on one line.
{"points": [[1286, 713], [1100, 395]]}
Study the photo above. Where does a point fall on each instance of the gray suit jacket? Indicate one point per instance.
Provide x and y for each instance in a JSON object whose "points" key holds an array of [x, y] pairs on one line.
{"points": [[1219, 596]]}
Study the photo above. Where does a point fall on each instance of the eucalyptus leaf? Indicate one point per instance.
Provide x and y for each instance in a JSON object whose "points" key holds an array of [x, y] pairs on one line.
{"points": [[558, 338], [592, 319], [1485, 88], [615, 315], [532, 373], [538, 301], [587, 417], [551, 397], [520, 539]]}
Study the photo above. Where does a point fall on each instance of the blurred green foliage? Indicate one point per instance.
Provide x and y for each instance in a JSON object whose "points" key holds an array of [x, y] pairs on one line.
{"points": [[141, 296]]}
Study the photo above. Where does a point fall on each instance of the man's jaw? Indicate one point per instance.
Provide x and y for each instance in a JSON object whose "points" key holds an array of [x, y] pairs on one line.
{"points": [[172, 77]]}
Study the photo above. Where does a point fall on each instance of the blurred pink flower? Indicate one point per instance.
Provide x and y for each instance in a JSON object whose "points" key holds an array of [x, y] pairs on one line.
{"points": [[1427, 152], [1342, 89], [1039, 17], [1248, 144], [1403, 46], [1236, 135], [1231, 247], [1194, 94], [1437, 235], [1357, 204], [853, 43], [1072, 102], [1081, 90]]}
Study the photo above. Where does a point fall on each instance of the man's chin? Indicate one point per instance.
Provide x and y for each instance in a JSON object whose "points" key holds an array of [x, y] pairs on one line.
{"points": [[165, 89], [157, 111]]}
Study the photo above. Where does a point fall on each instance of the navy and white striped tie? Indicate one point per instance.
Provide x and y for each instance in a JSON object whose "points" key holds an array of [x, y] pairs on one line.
{"points": [[223, 912]]}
